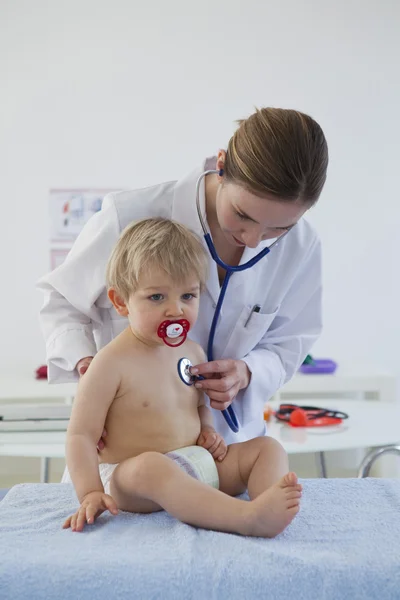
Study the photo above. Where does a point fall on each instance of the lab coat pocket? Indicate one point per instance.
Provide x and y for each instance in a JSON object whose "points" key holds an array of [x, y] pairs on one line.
{"points": [[248, 331]]}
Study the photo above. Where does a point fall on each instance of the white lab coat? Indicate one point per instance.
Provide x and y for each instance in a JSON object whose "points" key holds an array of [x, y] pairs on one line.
{"points": [[78, 318]]}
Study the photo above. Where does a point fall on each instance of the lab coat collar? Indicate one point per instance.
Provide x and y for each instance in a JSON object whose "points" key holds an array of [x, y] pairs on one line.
{"points": [[184, 205], [184, 211]]}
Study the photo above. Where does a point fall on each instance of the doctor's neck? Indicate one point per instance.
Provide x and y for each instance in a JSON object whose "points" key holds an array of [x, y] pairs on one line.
{"points": [[210, 188]]}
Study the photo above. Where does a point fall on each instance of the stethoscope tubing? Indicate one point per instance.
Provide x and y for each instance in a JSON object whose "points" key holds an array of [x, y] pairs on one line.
{"points": [[229, 413]]}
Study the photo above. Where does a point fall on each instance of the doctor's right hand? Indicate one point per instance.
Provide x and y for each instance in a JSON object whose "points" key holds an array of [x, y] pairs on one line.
{"points": [[83, 365], [93, 505]]}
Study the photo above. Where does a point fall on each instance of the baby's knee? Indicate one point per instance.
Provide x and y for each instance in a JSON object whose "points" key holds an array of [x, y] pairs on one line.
{"points": [[142, 469], [269, 445], [147, 464]]}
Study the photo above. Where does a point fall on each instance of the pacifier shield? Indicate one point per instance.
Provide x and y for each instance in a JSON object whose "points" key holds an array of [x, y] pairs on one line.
{"points": [[171, 330]]}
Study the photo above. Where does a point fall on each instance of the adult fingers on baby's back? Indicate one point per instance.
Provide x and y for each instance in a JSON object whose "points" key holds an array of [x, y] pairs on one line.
{"points": [[101, 444], [83, 365]]}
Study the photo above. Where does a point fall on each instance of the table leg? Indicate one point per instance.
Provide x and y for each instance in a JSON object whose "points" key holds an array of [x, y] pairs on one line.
{"points": [[44, 469], [372, 456], [322, 465]]}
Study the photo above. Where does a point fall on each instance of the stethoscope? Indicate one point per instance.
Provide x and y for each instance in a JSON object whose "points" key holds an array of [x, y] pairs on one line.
{"points": [[309, 416], [184, 364]]}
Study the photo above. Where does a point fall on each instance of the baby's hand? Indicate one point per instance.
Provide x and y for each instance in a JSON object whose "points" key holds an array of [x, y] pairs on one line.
{"points": [[92, 506], [213, 442]]}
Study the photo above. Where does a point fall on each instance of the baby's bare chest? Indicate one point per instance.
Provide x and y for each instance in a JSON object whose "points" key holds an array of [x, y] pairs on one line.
{"points": [[155, 386]]}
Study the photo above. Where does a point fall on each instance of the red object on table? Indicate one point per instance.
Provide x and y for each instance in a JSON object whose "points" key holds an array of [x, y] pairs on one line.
{"points": [[41, 372], [299, 418]]}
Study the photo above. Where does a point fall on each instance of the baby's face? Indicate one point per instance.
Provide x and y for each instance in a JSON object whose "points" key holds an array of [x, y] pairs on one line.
{"points": [[158, 299]]}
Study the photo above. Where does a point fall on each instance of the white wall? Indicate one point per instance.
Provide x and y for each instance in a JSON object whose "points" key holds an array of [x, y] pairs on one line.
{"points": [[126, 93]]}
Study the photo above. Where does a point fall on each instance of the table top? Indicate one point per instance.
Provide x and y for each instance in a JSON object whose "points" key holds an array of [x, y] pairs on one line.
{"points": [[33, 444], [370, 424], [23, 387]]}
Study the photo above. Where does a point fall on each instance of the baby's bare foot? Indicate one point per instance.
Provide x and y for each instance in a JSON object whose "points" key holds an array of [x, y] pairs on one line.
{"points": [[273, 510]]}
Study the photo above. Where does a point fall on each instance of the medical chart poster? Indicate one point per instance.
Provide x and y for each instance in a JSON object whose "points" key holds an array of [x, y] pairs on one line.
{"points": [[69, 210]]}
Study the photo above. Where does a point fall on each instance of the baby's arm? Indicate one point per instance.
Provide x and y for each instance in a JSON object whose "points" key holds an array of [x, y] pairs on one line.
{"points": [[209, 438], [96, 391], [205, 414]]}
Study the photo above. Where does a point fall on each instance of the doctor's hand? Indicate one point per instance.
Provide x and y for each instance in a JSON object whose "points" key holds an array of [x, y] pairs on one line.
{"points": [[83, 365], [223, 380], [91, 507]]}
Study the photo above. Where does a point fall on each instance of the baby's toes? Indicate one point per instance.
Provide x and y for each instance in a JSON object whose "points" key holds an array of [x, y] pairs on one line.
{"points": [[293, 495], [289, 480]]}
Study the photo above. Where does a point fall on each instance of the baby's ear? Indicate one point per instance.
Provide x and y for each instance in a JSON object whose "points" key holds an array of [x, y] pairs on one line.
{"points": [[118, 302]]}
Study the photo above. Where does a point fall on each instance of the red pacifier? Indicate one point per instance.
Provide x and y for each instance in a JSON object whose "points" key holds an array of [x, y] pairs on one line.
{"points": [[170, 330]]}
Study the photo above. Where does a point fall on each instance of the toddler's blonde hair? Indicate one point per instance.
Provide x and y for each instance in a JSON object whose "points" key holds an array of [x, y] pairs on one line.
{"points": [[151, 243]]}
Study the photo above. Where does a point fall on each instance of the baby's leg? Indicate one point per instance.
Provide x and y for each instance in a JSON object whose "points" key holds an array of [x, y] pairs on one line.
{"points": [[261, 466], [125, 487], [254, 465], [152, 481]]}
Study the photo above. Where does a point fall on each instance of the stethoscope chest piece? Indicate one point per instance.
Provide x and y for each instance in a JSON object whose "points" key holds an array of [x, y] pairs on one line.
{"points": [[184, 365]]}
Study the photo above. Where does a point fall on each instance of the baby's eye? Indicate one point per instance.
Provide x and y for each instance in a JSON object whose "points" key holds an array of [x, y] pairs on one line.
{"points": [[156, 297], [239, 214], [188, 296]]}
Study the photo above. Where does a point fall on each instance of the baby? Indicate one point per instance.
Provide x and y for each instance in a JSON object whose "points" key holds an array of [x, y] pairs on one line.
{"points": [[162, 449]]}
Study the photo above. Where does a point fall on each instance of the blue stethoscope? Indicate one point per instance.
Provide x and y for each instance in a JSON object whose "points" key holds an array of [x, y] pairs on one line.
{"points": [[184, 364]]}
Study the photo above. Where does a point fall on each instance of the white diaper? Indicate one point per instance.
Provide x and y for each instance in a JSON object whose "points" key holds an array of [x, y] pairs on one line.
{"points": [[106, 470], [198, 463], [194, 460]]}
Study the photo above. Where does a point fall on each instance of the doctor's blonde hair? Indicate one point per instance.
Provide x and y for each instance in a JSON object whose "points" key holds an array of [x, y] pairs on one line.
{"points": [[278, 152], [155, 243]]}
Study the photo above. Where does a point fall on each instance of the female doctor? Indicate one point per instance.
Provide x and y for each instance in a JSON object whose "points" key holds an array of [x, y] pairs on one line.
{"points": [[272, 172]]}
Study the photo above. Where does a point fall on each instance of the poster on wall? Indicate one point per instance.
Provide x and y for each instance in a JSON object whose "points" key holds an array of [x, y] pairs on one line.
{"points": [[70, 209]]}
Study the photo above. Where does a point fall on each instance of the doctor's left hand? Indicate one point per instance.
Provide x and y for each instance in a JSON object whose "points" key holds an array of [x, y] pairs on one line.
{"points": [[223, 380]]}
